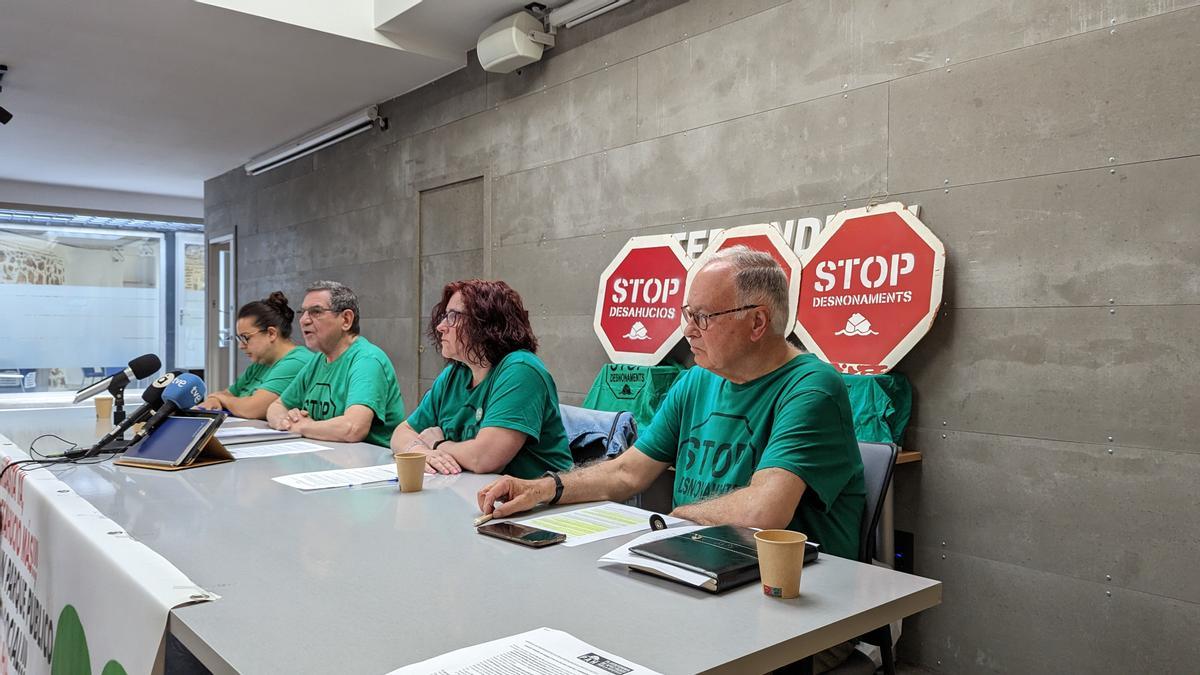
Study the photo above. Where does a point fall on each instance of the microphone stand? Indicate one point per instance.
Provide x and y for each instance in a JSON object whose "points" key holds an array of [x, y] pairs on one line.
{"points": [[117, 389]]}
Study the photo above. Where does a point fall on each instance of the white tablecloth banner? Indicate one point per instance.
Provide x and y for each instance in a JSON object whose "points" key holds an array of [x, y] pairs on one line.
{"points": [[78, 591]]}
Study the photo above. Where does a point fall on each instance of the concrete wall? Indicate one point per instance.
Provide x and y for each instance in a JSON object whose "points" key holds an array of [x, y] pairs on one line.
{"points": [[1055, 149]]}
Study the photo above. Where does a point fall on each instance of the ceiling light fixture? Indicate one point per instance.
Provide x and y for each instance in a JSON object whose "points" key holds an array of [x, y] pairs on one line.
{"points": [[574, 13], [324, 137]]}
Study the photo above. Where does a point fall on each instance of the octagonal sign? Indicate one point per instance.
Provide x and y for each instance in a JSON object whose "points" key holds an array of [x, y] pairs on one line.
{"points": [[872, 284], [638, 303], [760, 237]]}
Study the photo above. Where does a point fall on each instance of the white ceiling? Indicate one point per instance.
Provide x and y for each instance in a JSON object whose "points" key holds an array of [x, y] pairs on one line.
{"points": [[155, 96]]}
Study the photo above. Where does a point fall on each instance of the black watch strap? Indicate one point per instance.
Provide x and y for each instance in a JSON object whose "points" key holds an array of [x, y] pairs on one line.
{"points": [[437, 443], [558, 487]]}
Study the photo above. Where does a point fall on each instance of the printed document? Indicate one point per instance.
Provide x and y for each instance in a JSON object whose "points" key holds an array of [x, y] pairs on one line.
{"points": [[594, 523], [543, 651], [273, 449], [235, 435], [320, 480], [623, 557]]}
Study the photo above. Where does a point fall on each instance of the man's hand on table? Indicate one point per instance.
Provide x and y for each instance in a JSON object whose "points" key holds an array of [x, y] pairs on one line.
{"points": [[518, 495]]}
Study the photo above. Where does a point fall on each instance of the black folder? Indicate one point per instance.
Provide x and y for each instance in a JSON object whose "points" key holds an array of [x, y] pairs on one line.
{"points": [[726, 554]]}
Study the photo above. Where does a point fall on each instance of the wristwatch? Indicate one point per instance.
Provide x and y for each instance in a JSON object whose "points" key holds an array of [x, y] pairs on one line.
{"points": [[437, 443], [558, 487]]}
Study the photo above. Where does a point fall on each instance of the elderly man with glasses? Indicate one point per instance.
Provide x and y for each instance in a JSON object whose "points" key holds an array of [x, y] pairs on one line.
{"points": [[348, 393], [760, 433]]}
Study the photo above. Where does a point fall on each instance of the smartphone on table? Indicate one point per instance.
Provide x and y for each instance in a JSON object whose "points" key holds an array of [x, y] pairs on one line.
{"points": [[522, 534]]}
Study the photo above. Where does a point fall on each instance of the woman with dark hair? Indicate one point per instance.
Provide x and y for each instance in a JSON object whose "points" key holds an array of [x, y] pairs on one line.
{"points": [[494, 408], [264, 334]]}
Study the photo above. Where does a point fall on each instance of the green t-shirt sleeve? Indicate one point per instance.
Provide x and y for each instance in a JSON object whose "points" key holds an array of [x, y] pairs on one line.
{"points": [[236, 388], [293, 395], [282, 373], [660, 440], [368, 385], [517, 401], [426, 413], [807, 440]]}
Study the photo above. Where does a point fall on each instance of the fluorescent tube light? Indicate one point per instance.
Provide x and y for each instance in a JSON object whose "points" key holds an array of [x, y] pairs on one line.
{"points": [[324, 137], [575, 13]]}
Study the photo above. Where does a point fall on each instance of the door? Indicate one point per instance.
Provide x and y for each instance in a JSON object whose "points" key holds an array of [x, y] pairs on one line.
{"points": [[451, 246], [189, 301], [219, 321]]}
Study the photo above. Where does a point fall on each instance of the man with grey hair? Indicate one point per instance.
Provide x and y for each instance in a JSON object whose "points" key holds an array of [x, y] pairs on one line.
{"points": [[349, 392], [760, 433]]}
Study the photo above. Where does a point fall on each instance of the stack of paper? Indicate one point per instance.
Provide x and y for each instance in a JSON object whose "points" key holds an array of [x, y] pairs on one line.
{"points": [[274, 449], [623, 557], [543, 651], [320, 480], [239, 435]]}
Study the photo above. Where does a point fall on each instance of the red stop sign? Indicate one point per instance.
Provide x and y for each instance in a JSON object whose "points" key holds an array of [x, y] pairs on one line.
{"points": [[638, 303], [760, 237], [871, 286]]}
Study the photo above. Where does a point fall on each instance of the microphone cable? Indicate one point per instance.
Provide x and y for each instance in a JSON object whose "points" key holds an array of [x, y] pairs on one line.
{"points": [[43, 461]]}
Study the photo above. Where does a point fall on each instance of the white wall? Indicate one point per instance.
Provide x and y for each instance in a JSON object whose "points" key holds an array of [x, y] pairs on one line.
{"points": [[59, 197]]}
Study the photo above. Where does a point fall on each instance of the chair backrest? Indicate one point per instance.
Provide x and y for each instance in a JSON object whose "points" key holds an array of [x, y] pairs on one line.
{"points": [[595, 434], [878, 461]]}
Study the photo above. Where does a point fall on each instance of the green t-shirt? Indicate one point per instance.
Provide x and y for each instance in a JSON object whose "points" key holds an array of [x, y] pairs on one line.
{"points": [[275, 377], [882, 405], [518, 394], [639, 390], [717, 434], [362, 375]]}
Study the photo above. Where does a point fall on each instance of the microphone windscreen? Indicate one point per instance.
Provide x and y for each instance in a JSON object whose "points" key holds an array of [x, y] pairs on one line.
{"points": [[145, 366], [185, 391], [154, 393]]}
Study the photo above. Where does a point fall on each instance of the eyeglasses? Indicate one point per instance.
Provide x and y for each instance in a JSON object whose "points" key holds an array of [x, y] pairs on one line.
{"points": [[452, 317], [315, 312], [701, 319], [244, 338]]}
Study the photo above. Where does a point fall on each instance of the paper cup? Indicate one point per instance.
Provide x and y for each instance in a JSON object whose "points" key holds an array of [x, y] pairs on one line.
{"points": [[104, 406], [780, 561], [410, 469]]}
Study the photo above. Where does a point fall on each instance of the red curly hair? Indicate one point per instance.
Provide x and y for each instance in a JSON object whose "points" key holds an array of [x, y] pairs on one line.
{"points": [[495, 324]]}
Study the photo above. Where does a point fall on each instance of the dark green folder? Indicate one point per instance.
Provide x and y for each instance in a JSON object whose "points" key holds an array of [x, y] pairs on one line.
{"points": [[726, 554]]}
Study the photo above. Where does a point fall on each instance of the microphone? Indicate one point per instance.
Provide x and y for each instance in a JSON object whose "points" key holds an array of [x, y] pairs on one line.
{"points": [[152, 398], [182, 393], [143, 366]]}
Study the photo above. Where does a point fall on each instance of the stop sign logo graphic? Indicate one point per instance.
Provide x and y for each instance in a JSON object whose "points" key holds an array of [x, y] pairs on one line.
{"points": [[760, 237], [871, 287], [638, 303]]}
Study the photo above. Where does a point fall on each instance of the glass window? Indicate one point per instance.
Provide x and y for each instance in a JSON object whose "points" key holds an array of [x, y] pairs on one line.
{"points": [[78, 303]]}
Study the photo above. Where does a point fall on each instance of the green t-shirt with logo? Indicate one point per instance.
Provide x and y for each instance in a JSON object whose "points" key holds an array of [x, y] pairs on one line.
{"points": [[361, 375], [638, 390], [273, 378], [518, 394], [797, 418]]}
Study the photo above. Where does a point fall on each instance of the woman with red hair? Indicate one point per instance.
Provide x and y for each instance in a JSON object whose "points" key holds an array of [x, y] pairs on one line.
{"points": [[494, 408]]}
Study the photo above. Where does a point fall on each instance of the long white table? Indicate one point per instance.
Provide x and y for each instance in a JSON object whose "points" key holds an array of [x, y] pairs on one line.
{"points": [[367, 579]]}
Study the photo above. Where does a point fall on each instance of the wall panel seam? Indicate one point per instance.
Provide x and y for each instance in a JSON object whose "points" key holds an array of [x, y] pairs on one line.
{"points": [[1116, 445], [689, 130], [1087, 580], [1060, 38], [1004, 179]]}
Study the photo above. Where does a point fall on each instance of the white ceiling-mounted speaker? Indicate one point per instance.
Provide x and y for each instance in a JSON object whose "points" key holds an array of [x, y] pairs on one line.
{"points": [[509, 43]]}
